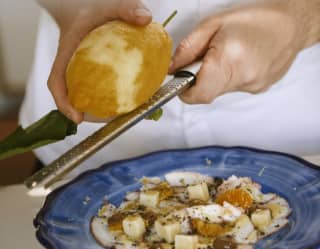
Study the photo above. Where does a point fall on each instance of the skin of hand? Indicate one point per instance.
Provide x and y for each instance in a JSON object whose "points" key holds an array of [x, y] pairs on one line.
{"points": [[76, 18], [248, 48]]}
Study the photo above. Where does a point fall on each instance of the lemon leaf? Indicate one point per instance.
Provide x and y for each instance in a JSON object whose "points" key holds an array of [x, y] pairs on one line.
{"points": [[169, 19], [156, 115], [51, 128]]}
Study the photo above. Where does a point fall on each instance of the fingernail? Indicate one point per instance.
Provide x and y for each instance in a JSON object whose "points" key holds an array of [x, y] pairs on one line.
{"points": [[171, 66], [142, 12]]}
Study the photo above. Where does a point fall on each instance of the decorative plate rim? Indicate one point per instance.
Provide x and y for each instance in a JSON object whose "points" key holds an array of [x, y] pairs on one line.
{"points": [[51, 196]]}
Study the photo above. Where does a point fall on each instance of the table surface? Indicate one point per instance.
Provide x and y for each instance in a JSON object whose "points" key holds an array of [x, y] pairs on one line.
{"points": [[17, 211]]}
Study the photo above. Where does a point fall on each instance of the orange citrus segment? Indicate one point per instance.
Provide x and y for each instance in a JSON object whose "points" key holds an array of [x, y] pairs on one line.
{"points": [[115, 222], [208, 229], [236, 197]]}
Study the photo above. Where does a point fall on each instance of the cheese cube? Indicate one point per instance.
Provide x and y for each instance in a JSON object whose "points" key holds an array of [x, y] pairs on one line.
{"points": [[261, 219], [167, 230], [277, 210], [199, 192], [185, 242], [134, 226], [253, 237], [242, 229], [166, 246], [149, 198]]}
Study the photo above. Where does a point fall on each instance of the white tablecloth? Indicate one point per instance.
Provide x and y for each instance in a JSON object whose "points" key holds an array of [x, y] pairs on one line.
{"points": [[17, 211]]}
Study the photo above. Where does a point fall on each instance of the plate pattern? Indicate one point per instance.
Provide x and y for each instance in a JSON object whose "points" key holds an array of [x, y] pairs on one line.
{"points": [[64, 220]]}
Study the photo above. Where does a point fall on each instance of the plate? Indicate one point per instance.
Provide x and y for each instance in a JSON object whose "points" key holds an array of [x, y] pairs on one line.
{"points": [[64, 220]]}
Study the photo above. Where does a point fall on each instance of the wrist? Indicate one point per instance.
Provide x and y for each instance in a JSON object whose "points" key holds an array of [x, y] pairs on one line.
{"points": [[307, 17], [52, 7]]}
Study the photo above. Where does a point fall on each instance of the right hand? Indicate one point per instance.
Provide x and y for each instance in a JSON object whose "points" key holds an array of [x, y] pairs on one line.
{"points": [[247, 48], [76, 18]]}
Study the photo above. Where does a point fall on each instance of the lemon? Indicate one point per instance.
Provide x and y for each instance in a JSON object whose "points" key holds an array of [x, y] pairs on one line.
{"points": [[117, 67]]}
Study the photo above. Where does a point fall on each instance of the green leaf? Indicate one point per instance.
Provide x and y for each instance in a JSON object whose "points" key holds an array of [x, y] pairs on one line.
{"points": [[169, 19], [50, 129], [156, 115]]}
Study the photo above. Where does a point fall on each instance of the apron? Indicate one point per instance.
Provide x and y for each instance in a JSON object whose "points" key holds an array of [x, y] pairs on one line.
{"points": [[286, 118]]}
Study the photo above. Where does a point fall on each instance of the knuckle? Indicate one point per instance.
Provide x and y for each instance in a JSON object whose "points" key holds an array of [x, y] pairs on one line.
{"points": [[61, 107], [185, 44], [207, 100], [50, 85], [64, 110], [256, 88], [235, 52], [236, 56], [207, 61], [186, 47], [189, 97], [204, 98], [197, 96], [250, 76], [186, 100]]}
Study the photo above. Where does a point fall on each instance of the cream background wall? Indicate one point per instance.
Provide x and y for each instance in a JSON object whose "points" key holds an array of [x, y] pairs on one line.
{"points": [[18, 28]]}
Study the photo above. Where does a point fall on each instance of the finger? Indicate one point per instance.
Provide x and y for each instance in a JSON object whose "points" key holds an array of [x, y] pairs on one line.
{"points": [[212, 80], [135, 12], [89, 118], [195, 45], [57, 84]]}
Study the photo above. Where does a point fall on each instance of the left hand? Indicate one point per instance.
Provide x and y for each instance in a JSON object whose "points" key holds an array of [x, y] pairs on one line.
{"points": [[76, 19], [245, 49]]}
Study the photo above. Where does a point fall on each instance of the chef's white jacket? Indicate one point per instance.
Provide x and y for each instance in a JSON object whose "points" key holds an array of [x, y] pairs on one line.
{"points": [[285, 118]]}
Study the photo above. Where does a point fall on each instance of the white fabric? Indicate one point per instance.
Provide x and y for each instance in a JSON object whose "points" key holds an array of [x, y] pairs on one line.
{"points": [[285, 118]]}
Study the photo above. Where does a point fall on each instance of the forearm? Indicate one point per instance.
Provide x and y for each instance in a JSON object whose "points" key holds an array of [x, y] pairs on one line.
{"points": [[65, 12], [314, 20], [52, 6], [62, 11], [307, 14]]}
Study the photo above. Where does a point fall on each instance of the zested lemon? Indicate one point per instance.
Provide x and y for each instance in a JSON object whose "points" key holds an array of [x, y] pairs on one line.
{"points": [[118, 67]]}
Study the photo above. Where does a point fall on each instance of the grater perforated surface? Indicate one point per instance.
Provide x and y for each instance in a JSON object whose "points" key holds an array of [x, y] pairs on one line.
{"points": [[72, 158]]}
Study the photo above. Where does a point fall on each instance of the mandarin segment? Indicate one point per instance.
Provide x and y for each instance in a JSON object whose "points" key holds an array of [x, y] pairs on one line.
{"points": [[165, 190], [236, 197], [208, 229], [115, 222]]}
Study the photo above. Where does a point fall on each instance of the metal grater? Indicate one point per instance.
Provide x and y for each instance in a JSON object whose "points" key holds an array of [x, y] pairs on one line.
{"points": [[52, 173]]}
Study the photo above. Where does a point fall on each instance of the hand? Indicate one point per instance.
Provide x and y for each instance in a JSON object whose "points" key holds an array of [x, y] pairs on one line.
{"points": [[244, 49], [76, 18]]}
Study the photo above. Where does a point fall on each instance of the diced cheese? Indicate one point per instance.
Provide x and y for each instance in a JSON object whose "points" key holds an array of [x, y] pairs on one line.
{"points": [[149, 198], [134, 226], [202, 246], [253, 237], [242, 229], [183, 178], [166, 246], [261, 219], [185, 242], [277, 210], [167, 230], [199, 192]]}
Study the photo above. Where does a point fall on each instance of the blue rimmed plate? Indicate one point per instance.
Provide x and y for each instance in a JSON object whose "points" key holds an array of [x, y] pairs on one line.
{"points": [[64, 221]]}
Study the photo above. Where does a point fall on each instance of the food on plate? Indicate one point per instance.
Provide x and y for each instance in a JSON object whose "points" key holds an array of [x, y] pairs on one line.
{"points": [[117, 67], [189, 210]]}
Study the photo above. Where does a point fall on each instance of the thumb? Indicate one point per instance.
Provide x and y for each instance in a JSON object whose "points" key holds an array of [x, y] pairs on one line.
{"points": [[56, 81], [134, 12], [195, 45]]}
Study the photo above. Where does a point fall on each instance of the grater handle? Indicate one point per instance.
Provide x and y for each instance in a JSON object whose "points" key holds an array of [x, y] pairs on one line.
{"points": [[192, 68]]}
